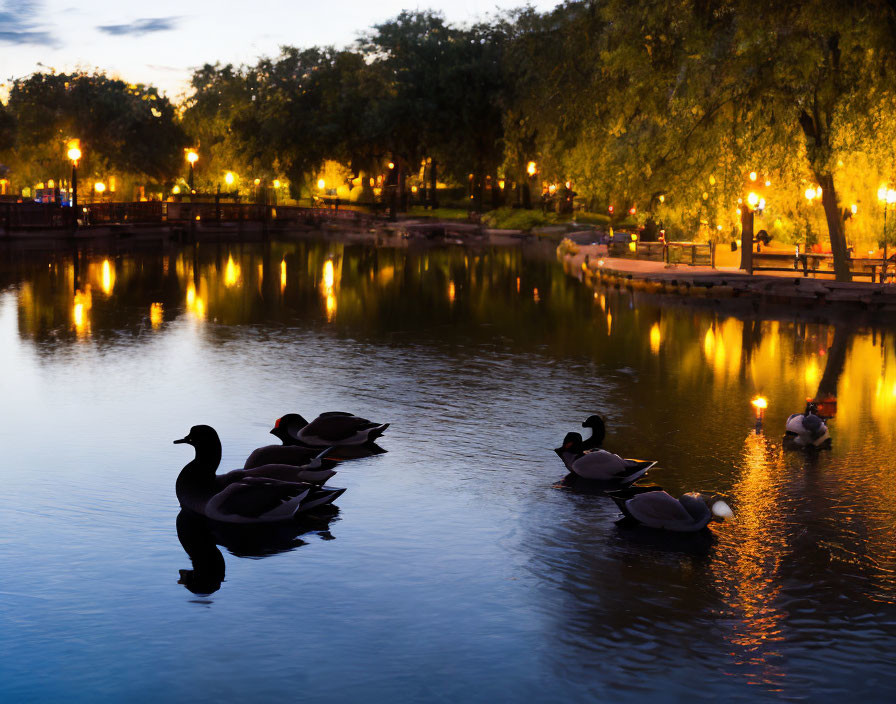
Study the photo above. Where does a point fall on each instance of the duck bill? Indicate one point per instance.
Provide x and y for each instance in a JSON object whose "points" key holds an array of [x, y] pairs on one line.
{"points": [[181, 440]]}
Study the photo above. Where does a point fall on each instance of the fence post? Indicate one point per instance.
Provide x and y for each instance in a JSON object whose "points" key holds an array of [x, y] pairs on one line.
{"points": [[693, 253], [712, 255]]}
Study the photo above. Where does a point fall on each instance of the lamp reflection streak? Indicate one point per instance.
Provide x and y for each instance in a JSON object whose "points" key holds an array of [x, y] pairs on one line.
{"points": [[328, 281], [750, 583]]}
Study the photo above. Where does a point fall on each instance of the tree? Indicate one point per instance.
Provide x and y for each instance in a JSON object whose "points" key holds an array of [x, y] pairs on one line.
{"points": [[123, 128]]}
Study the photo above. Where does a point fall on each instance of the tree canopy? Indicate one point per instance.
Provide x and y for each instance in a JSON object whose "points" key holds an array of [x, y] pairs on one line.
{"points": [[122, 128], [675, 110]]}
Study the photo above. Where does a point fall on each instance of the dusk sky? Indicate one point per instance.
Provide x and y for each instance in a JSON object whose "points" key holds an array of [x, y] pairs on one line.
{"points": [[160, 42]]}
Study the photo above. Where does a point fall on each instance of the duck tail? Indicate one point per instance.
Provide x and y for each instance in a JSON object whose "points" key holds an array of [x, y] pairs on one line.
{"points": [[321, 455], [619, 499], [376, 432]]}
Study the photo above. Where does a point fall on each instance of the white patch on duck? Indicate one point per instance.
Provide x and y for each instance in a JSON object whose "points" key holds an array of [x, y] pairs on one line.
{"points": [[807, 429], [658, 509]]}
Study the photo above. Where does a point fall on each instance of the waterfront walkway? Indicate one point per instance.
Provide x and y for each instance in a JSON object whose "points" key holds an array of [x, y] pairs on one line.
{"points": [[780, 288]]}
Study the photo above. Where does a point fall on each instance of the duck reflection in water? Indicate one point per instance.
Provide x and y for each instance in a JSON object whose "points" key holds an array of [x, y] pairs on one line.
{"points": [[200, 538]]}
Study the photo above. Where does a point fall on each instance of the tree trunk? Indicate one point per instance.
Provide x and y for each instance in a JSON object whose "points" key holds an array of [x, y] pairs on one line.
{"points": [[433, 184], [746, 239], [525, 185], [835, 227]]}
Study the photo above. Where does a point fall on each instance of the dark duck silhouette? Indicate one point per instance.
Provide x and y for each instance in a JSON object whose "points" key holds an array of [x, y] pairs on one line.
{"points": [[598, 432], [599, 465], [660, 510], [333, 429], [243, 496], [806, 430], [200, 538]]}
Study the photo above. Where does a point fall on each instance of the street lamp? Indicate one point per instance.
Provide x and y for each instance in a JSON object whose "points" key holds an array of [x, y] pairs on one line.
{"points": [[74, 153], [192, 157], [229, 178], [886, 196], [100, 188]]}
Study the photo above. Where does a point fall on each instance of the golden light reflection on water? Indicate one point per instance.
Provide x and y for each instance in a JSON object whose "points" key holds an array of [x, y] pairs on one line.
{"points": [[813, 372], [328, 276], [156, 313], [750, 584], [83, 302], [328, 281], [709, 344], [232, 273], [282, 275], [195, 303], [656, 338], [108, 277], [451, 292]]}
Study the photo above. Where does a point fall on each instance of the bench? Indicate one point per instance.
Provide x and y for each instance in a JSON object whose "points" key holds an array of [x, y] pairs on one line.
{"points": [[809, 262]]}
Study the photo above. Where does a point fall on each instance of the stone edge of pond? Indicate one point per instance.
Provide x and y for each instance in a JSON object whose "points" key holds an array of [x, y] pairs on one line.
{"points": [[815, 297]]}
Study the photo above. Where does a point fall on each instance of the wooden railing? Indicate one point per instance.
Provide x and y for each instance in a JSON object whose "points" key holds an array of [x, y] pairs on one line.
{"points": [[52, 216], [692, 253]]}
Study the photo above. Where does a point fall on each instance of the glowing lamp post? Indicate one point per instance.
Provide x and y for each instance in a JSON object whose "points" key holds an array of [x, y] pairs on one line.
{"points": [[886, 196], [74, 153], [747, 211], [760, 403], [192, 158], [229, 178], [100, 188]]}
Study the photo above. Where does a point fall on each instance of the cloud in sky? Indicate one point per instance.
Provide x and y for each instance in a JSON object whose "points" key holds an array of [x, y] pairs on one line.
{"points": [[17, 27], [138, 28]]}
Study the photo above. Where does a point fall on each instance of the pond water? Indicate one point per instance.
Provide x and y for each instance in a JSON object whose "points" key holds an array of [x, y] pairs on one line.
{"points": [[456, 569]]}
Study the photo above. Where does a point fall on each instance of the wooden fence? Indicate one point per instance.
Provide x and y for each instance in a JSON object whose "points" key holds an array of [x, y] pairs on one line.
{"points": [[692, 253], [52, 216]]}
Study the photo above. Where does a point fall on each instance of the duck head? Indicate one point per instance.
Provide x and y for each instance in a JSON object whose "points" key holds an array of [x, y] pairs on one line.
{"points": [[287, 427], [572, 443], [208, 446], [598, 429]]}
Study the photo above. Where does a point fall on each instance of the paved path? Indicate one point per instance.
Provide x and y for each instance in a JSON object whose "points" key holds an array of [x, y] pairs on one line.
{"points": [[779, 288]]}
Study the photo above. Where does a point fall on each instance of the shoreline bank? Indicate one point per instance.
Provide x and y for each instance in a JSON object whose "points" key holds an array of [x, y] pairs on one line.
{"points": [[781, 295]]}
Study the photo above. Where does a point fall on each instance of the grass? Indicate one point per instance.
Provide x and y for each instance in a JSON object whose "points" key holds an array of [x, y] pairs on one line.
{"points": [[519, 218], [440, 213]]}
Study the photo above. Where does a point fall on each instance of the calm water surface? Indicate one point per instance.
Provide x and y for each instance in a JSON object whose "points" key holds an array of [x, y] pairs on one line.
{"points": [[456, 569]]}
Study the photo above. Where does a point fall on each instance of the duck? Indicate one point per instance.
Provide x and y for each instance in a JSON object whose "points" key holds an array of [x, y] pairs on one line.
{"points": [[599, 465], [242, 496], [658, 509], [598, 432], [282, 454], [332, 429], [806, 430], [299, 455]]}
